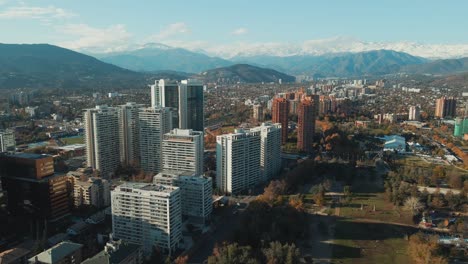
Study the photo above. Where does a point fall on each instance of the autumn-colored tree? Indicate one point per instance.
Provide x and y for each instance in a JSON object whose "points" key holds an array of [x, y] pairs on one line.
{"points": [[278, 253], [273, 191], [232, 254], [455, 181], [425, 249], [319, 199], [297, 203], [181, 260]]}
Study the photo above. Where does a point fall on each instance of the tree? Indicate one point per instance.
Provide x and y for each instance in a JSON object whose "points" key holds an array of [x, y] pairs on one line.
{"points": [[425, 249], [272, 191], [181, 260], [278, 253], [297, 203], [319, 198], [455, 181], [232, 254], [414, 205]]}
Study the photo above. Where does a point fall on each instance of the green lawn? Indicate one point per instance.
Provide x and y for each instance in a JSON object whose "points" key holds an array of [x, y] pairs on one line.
{"points": [[73, 140], [370, 243], [384, 211]]}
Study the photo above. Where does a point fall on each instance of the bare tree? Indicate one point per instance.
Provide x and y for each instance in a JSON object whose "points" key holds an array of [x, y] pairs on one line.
{"points": [[413, 204]]}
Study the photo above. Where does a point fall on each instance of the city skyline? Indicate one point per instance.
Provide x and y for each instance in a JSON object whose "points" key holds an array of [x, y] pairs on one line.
{"points": [[348, 26]]}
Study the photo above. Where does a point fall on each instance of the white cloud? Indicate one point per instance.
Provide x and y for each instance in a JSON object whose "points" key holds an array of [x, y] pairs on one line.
{"points": [[33, 12], [239, 31], [111, 38], [171, 30]]}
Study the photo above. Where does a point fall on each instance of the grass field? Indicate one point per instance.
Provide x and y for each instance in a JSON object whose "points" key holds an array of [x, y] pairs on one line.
{"points": [[72, 140], [357, 242], [384, 211]]}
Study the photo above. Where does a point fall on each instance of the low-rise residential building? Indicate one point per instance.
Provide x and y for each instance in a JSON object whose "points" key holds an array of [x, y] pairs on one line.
{"points": [[7, 140], [118, 252], [91, 192], [62, 253]]}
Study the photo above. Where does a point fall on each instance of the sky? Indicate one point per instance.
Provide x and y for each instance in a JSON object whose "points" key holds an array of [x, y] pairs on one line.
{"points": [[104, 25]]}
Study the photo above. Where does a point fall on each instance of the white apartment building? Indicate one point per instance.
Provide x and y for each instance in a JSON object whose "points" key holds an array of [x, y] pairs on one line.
{"points": [[7, 140], [414, 113], [93, 191], [154, 122], [270, 149], [196, 191], [102, 139], [238, 161], [182, 150], [128, 133], [147, 214]]}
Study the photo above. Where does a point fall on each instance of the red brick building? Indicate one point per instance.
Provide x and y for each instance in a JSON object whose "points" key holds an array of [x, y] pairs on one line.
{"points": [[279, 112]]}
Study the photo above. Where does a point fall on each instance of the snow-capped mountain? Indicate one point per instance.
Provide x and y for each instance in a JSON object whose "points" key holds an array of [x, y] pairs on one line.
{"points": [[334, 45]]}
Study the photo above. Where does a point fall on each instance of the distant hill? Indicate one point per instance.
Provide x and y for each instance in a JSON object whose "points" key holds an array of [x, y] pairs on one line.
{"points": [[173, 75], [458, 80], [43, 65], [157, 57], [375, 62], [443, 67], [243, 73]]}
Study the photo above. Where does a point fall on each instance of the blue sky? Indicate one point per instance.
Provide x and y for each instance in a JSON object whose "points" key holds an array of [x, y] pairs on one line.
{"points": [[100, 24]]}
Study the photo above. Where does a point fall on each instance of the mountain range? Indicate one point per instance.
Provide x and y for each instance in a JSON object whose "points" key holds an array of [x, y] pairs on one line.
{"points": [[43, 65], [157, 57]]}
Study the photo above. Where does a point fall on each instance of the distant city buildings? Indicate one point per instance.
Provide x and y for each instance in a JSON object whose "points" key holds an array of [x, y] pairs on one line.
{"points": [[102, 139], [258, 113], [238, 161], [31, 110], [7, 140], [461, 127], [196, 193], [182, 150], [147, 214], [154, 122], [279, 112], [446, 107], [414, 113]]}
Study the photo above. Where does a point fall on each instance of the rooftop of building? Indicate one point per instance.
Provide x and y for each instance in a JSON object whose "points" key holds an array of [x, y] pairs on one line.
{"points": [[125, 249], [175, 173], [23, 155], [56, 253], [146, 187], [72, 147], [13, 255]]}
